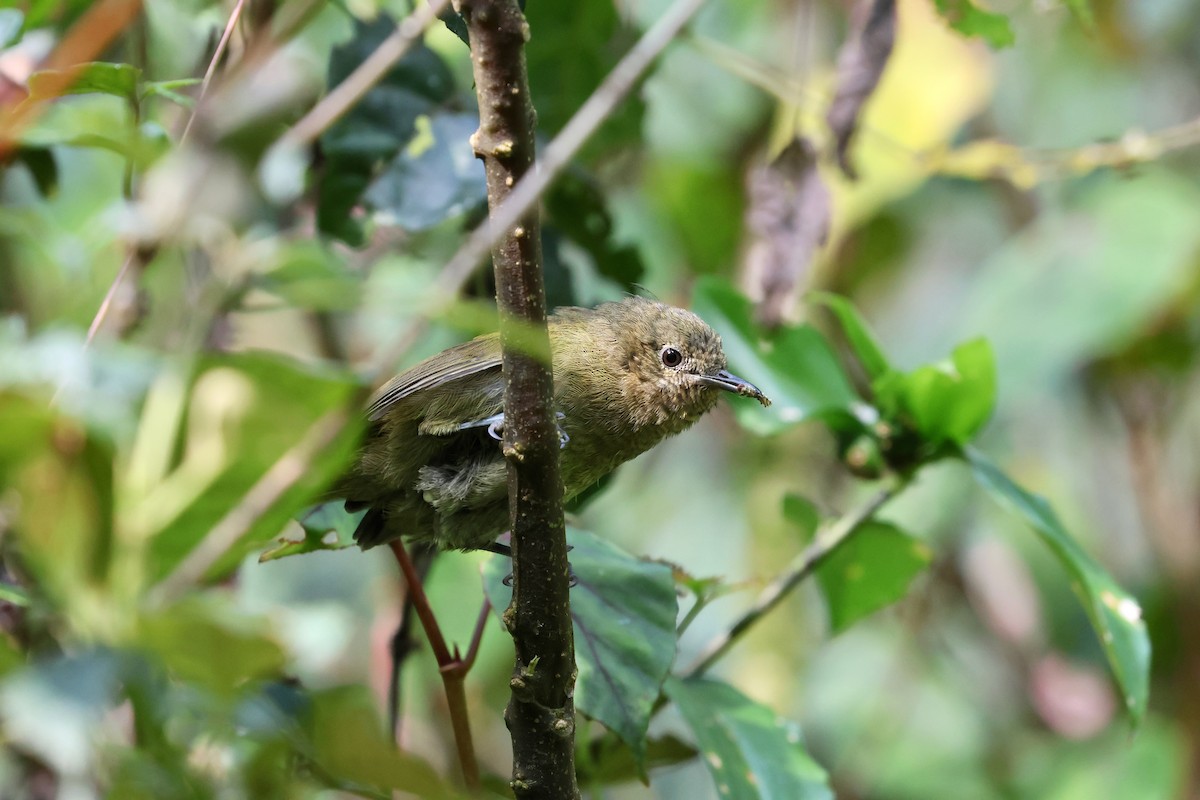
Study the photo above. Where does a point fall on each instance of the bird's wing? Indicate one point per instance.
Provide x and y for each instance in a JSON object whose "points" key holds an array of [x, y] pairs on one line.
{"points": [[462, 361]]}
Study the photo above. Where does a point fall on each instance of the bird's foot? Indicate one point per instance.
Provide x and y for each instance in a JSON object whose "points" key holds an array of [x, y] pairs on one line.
{"points": [[495, 427], [505, 550]]}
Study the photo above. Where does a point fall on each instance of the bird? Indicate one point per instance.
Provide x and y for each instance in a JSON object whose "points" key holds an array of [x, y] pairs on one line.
{"points": [[627, 375]]}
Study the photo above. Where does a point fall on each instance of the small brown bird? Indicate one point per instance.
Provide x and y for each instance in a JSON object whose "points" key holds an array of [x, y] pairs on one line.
{"points": [[626, 376]]}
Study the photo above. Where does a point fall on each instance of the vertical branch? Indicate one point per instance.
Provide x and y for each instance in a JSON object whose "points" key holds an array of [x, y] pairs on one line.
{"points": [[541, 713]]}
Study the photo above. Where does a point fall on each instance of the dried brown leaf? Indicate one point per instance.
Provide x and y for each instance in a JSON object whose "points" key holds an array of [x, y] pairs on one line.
{"points": [[859, 66]]}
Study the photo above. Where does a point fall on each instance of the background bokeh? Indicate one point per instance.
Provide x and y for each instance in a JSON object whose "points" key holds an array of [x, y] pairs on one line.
{"points": [[986, 205]]}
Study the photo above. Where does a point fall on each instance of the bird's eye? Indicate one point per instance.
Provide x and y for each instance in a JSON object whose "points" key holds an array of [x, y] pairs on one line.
{"points": [[671, 357]]}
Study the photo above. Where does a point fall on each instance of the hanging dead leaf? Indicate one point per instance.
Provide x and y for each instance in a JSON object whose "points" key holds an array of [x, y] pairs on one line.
{"points": [[787, 214], [859, 66]]}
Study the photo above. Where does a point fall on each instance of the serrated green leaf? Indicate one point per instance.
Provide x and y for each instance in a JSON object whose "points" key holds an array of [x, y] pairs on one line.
{"points": [[624, 610], [793, 365], [944, 402], [871, 569], [971, 20], [97, 77], [751, 753], [858, 333], [1113, 612]]}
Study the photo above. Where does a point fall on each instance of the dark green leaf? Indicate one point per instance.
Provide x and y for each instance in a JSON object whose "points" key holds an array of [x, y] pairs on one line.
{"points": [[870, 570], [42, 166], [435, 178], [1114, 613], [326, 527], [750, 751], [801, 512], [205, 643], [944, 402], [348, 742], [246, 410], [97, 77], [608, 762], [793, 365], [576, 206], [971, 20], [375, 130], [624, 611], [858, 333], [572, 48]]}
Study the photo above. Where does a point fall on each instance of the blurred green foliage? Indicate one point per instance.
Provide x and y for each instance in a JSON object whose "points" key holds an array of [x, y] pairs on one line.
{"points": [[1021, 237]]}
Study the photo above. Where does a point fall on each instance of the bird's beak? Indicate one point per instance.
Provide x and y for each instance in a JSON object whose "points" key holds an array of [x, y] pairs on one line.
{"points": [[724, 379]]}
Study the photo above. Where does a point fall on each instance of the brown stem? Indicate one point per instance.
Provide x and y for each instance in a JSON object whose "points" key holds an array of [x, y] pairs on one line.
{"points": [[452, 667], [541, 712]]}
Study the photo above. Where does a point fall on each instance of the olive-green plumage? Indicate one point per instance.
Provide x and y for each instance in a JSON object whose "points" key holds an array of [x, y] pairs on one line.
{"points": [[626, 376]]}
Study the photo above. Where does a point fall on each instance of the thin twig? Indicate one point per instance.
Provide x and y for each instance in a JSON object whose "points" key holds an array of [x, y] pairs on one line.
{"points": [[590, 116], [291, 467], [416, 595], [110, 295], [212, 66], [477, 636], [800, 568], [453, 668]]}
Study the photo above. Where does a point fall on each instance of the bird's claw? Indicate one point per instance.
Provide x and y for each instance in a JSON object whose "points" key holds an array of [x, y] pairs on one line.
{"points": [[495, 427]]}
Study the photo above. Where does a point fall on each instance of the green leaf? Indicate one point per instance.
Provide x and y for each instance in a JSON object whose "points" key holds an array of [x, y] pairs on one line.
{"points": [[572, 48], [576, 206], [42, 167], [375, 130], [858, 333], [204, 642], [11, 22], [971, 20], [167, 90], [245, 411], [869, 570], [624, 611], [63, 474], [606, 762], [309, 276], [801, 512], [1082, 9], [793, 365], [945, 402], [1114, 613], [348, 741], [751, 753], [97, 77], [436, 177], [326, 527]]}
